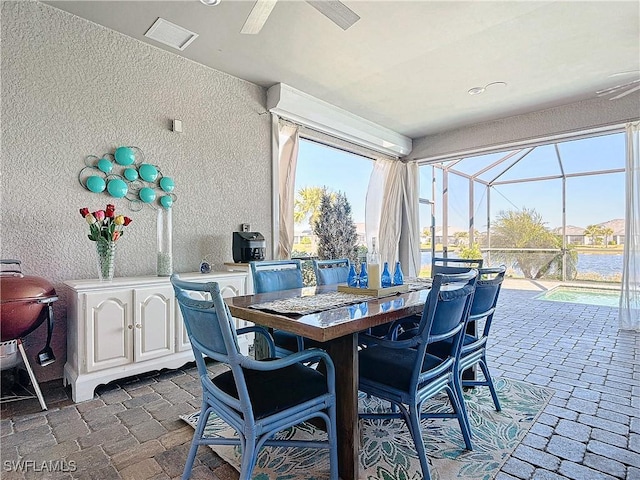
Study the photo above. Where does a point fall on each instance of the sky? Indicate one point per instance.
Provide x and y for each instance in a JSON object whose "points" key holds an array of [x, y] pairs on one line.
{"points": [[341, 171], [590, 199]]}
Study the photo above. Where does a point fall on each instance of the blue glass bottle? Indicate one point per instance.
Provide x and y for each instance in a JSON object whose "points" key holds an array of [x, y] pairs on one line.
{"points": [[385, 279], [398, 277], [364, 276], [352, 277]]}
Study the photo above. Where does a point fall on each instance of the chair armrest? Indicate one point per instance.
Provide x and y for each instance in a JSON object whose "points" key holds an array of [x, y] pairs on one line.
{"points": [[305, 356], [264, 332], [369, 341], [412, 320]]}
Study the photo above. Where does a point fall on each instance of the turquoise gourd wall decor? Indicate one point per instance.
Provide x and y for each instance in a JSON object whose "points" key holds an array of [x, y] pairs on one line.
{"points": [[126, 174]]}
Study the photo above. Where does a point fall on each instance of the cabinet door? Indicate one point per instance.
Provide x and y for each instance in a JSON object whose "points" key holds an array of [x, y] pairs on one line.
{"points": [[109, 329], [154, 322], [232, 286]]}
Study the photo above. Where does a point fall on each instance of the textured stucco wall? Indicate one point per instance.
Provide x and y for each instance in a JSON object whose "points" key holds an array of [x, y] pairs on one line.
{"points": [[71, 88], [566, 119]]}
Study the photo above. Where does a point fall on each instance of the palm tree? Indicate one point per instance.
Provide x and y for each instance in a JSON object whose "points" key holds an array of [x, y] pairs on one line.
{"points": [[307, 204], [607, 232], [593, 231]]}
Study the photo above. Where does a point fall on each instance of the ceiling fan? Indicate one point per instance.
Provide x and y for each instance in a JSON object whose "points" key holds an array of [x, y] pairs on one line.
{"points": [[622, 90], [334, 10]]}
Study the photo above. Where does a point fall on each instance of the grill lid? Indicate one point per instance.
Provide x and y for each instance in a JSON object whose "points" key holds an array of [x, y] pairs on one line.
{"points": [[23, 302], [16, 287]]}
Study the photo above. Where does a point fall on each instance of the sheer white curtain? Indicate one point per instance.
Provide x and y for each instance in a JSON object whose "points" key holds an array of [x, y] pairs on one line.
{"points": [[389, 224], [391, 211], [287, 150], [630, 297], [410, 241]]}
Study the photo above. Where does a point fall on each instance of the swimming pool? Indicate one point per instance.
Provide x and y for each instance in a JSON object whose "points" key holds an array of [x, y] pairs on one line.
{"points": [[588, 296]]}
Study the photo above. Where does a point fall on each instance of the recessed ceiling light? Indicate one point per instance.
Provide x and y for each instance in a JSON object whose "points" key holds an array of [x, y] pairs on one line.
{"points": [[211, 3], [479, 90]]}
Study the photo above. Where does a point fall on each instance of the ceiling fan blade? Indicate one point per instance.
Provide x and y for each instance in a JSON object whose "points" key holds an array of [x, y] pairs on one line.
{"points": [[609, 90], [624, 94], [258, 16], [335, 11]]}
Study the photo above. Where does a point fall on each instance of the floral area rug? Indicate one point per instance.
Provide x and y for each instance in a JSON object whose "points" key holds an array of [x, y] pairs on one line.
{"points": [[386, 448]]}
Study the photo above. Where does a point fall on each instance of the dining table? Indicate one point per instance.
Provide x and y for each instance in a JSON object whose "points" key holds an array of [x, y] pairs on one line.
{"points": [[334, 318]]}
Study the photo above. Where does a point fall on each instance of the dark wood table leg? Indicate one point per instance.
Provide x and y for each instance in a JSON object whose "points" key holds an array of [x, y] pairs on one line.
{"points": [[343, 352]]}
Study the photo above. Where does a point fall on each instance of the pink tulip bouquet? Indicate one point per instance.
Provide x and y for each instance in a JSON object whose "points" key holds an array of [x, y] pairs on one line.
{"points": [[105, 225]]}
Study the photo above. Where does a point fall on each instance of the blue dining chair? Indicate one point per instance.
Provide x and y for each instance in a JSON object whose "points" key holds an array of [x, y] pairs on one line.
{"points": [[330, 272], [256, 398], [444, 265], [474, 345], [454, 265], [275, 275], [404, 374], [272, 276]]}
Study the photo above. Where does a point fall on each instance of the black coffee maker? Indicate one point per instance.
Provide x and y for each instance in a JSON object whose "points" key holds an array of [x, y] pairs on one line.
{"points": [[248, 246]]}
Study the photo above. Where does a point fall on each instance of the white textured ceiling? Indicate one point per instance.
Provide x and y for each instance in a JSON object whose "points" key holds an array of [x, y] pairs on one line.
{"points": [[407, 65]]}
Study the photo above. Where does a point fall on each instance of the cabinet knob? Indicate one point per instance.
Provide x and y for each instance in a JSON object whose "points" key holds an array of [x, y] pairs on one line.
{"points": [[130, 327], [138, 325]]}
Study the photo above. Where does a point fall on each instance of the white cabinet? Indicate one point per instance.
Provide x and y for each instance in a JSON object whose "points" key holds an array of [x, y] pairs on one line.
{"points": [[129, 326]]}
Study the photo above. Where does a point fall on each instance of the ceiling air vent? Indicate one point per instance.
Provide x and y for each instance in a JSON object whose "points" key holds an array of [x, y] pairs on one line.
{"points": [[170, 34]]}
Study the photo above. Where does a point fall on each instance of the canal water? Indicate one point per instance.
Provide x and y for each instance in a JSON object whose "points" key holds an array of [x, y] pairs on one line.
{"points": [[606, 265]]}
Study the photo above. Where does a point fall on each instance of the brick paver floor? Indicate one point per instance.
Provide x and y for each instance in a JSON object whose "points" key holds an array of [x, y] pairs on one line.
{"points": [[590, 430]]}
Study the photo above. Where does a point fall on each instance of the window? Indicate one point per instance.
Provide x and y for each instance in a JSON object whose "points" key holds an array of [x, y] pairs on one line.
{"points": [[320, 166], [574, 189]]}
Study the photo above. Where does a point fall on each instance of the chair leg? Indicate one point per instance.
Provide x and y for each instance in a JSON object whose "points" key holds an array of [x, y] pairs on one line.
{"points": [[413, 422], [455, 397], [195, 443], [457, 379], [333, 443], [249, 457], [492, 388]]}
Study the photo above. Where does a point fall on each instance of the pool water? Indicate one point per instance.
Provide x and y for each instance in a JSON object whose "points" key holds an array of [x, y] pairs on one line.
{"points": [[588, 296]]}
